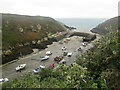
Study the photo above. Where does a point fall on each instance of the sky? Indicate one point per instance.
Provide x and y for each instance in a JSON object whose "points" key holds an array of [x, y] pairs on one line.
{"points": [[62, 8]]}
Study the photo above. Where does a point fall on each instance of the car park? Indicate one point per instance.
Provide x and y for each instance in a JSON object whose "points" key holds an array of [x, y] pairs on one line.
{"points": [[20, 67], [44, 58], [2, 80]]}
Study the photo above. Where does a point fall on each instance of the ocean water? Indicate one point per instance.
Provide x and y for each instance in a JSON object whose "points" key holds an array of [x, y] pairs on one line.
{"points": [[82, 24]]}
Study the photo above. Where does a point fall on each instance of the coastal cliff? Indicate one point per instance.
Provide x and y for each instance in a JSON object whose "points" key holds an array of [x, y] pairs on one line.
{"points": [[107, 26]]}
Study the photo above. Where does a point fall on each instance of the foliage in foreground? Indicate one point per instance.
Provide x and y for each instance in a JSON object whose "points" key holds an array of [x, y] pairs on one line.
{"points": [[104, 60], [61, 77], [98, 68]]}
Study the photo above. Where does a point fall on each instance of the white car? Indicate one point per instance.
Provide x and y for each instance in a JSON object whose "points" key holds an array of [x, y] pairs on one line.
{"points": [[64, 48], [84, 44], [48, 53], [41, 66], [2, 80], [20, 67], [45, 58], [69, 54], [60, 42], [68, 39]]}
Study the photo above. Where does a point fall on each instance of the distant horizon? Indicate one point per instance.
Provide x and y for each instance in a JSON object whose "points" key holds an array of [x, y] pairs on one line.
{"points": [[82, 24]]}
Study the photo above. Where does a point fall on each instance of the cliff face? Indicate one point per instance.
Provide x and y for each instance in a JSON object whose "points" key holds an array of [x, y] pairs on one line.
{"points": [[105, 27], [21, 28]]}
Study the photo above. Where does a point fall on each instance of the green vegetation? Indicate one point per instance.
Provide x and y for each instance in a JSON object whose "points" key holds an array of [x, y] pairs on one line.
{"points": [[97, 68], [104, 60], [21, 34], [17, 29], [109, 25]]}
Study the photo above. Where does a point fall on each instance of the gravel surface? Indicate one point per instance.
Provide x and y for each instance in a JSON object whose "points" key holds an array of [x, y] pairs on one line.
{"points": [[33, 61]]}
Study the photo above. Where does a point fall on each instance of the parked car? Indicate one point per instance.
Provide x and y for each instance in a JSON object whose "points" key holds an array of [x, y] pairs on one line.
{"points": [[41, 66], [79, 49], [2, 80], [36, 70], [62, 61], [20, 67], [69, 54], [58, 58], [48, 53], [65, 41], [68, 39], [60, 42], [84, 44], [51, 65], [44, 58], [64, 48], [65, 53]]}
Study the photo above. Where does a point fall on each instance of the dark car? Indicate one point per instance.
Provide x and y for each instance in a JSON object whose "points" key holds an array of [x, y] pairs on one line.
{"points": [[65, 53]]}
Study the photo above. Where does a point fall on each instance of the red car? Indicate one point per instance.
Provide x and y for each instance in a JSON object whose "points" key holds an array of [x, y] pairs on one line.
{"points": [[58, 58], [52, 65]]}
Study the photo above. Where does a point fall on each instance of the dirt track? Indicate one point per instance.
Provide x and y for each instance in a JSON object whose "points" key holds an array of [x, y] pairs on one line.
{"points": [[32, 61]]}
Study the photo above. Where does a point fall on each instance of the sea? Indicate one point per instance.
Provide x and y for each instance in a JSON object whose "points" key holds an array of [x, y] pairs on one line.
{"points": [[82, 24]]}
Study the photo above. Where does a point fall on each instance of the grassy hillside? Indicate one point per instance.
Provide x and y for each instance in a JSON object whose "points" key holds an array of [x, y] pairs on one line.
{"points": [[97, 68], [21, 34], [18, 29], [105, 27]]}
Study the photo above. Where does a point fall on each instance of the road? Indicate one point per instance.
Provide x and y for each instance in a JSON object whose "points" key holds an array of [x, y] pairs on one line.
{"points": [[33, 61]]}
